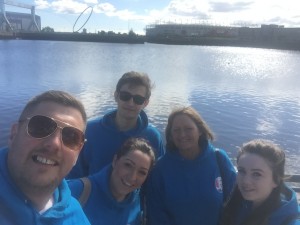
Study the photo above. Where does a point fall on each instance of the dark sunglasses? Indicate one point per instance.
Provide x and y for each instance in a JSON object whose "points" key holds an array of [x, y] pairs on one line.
{"points": [[43, 126], [126, 96]]}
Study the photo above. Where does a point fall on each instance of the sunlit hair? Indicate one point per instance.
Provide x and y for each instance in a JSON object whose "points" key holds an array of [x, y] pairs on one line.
{"points": [[271, 152], [207, 134], [59, 97], [137, 144], [135, 79]]}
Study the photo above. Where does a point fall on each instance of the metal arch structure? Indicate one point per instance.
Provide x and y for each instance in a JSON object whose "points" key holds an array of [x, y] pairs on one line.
{"points": [[3, 18], [89, 7]]}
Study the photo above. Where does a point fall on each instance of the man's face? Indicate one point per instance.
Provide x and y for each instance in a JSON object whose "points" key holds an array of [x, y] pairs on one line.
{"points": [[130, 109], [41, 164]]}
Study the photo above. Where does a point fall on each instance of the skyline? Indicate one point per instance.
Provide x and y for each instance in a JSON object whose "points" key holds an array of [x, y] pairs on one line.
{"points": [[124, 15]]}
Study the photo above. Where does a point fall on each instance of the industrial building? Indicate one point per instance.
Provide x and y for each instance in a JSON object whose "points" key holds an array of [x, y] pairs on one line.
{"points": [[199, 30], [16, 21]]}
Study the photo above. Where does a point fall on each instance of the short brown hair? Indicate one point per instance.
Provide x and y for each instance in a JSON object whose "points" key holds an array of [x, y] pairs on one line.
{"points": [[139, 144], [59, 97], [135, 78]]}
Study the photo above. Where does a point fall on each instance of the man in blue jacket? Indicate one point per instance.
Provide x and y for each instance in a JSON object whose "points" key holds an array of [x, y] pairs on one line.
{"points": [[107, 134], [43, 147]]}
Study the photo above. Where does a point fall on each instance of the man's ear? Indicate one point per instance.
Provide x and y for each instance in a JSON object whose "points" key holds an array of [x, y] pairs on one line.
{"points": [[146, 103], [116, 95], [13, 132]]}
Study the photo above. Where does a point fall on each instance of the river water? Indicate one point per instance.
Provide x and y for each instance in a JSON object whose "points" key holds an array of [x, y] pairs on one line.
{"points": [[242, 93]]}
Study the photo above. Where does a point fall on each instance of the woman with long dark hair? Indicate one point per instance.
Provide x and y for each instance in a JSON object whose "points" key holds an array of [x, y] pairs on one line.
{"points": [[261, 197]]}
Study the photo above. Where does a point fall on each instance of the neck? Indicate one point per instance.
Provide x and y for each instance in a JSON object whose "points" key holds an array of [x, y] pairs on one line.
{"points": [[39, 199], [190, 154], [125, 124], [38, 195]]}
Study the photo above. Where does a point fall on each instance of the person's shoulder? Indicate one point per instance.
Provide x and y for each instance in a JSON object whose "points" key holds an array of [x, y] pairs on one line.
{"points": [[94, 120], [295, 222], [165, 160], [101, 176], [77, 213], [222, 153], [293, 218], [152, 130], [76, 187], [220, 150], [97, 124]]}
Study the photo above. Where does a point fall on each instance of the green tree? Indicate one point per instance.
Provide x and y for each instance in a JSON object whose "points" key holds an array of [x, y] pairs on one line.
{"points": [[131, 33], [48, 29]]}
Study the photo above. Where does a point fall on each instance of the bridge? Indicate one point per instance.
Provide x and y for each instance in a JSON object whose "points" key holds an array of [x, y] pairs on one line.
{"points": [[5, 24]]}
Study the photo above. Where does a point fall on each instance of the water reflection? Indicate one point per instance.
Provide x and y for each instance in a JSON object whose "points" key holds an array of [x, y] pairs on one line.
{"points": [[242, 93]]}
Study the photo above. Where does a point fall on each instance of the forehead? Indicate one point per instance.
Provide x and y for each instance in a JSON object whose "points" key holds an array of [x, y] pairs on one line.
{"points": [[140, 158], [183, 119], [253, 161], [137, 89], [60, 112]]}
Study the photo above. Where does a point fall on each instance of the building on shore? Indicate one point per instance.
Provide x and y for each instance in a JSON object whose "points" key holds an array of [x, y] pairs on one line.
{"points": [[16, 21], [266, 36], [21, 22], [192, 30]]}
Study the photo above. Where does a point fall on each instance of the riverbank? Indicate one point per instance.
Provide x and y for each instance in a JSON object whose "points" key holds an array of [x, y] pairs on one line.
{"points": [[141, 39], [6, 35], [78, 37], [222, 41]]}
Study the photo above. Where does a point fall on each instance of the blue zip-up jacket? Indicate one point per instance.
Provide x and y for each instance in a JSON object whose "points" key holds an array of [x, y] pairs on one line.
{"points": [[15, 209], [288, 210], [188, 192], [101, 207], [104, 140]]}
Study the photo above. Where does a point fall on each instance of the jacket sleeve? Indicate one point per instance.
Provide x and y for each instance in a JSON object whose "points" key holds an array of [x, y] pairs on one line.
{"points": [[229, 172], [76, 187], [295, 222]]}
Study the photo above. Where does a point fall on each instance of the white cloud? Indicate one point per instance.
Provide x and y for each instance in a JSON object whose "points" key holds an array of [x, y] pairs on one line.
{"points": [[94, 2], [41, 4], [188, 7], [221, 12], [104, 8], [68, 6]]}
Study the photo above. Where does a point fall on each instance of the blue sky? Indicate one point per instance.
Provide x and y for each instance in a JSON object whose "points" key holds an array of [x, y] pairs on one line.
{"points": [[123, 15]]}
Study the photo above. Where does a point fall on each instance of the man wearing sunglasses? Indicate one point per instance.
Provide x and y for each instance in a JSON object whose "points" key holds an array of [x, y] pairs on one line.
{"points": [[107, 134], [43, 147]]}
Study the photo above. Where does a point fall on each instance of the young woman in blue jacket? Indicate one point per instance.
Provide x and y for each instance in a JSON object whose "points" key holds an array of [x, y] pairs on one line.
{"points": [[114, 197], [261, 196], [188, 185]]}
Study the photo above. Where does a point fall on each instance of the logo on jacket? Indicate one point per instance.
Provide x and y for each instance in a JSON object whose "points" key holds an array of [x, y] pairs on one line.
{"points": [[218, 184]]}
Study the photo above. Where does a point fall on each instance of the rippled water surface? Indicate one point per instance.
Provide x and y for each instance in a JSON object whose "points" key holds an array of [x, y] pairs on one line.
{"points": [[242, 93]]}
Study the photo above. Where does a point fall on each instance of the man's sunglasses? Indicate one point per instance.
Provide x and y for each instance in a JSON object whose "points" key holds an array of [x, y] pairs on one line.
{"points": [[43, 126], [126, 96]]}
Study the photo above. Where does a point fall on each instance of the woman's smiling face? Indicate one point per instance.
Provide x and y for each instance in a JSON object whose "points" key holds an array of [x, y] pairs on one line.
{"points": [[129, 173], [255, 178]]}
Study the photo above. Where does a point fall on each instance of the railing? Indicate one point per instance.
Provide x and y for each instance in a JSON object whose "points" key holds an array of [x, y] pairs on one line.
{"points": [[294, 180]]}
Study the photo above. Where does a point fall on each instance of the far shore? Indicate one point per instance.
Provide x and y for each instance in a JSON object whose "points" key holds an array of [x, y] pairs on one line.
{"points": [[133, 38]]}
